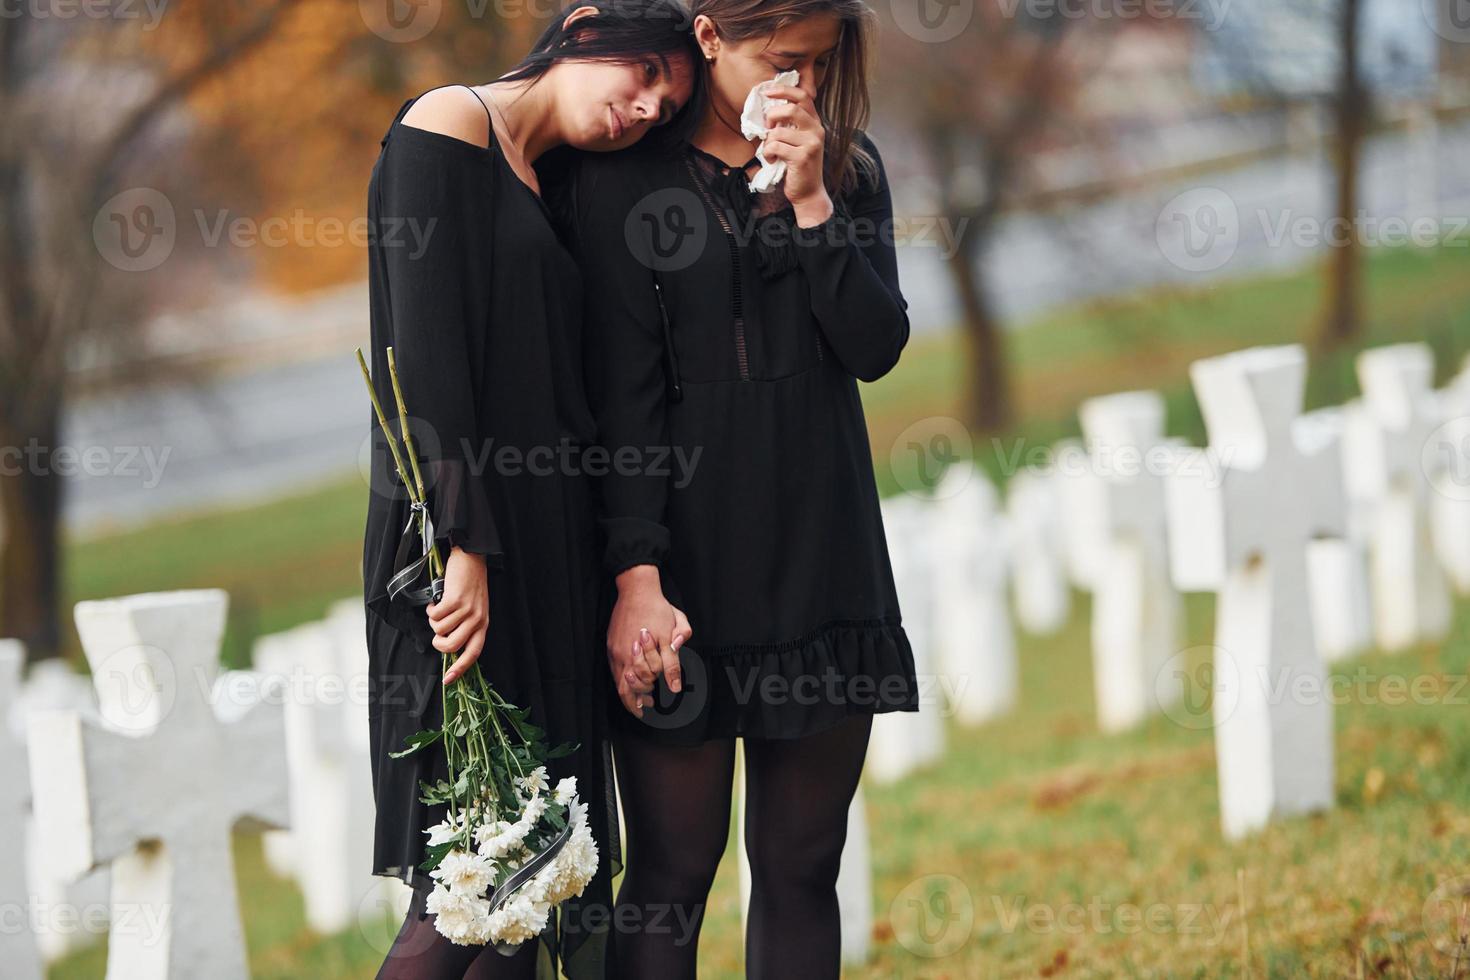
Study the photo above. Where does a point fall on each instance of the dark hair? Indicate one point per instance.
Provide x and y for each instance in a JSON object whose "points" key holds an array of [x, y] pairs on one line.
{"points": [[623, 32]]}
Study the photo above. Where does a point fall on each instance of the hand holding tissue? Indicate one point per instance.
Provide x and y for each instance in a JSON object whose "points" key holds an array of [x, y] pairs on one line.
{"points": [[753, 126]]}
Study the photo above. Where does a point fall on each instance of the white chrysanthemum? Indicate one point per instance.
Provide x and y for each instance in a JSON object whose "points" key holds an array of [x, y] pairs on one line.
{"points": [[520, 919], [465, 872], [534, 810], [446, 830], [460, 918], [534, 782], [492, 839], [505, 841], [566, 790]]}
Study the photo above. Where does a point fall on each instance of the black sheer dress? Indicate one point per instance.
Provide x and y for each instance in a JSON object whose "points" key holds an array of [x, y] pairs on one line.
{"points": [[473, 288], [725, 347]]}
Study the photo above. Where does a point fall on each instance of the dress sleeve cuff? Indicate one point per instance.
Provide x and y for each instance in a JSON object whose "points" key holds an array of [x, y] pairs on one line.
{"points": [[461, 511], [633, 541], [835, 231]]}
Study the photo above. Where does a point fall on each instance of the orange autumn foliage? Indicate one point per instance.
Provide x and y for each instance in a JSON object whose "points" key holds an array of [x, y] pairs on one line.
{"points": [[290, 131]]}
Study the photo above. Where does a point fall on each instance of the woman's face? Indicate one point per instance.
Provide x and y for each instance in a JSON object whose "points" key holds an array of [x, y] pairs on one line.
{"points": [[609, 107], [808, 46]]}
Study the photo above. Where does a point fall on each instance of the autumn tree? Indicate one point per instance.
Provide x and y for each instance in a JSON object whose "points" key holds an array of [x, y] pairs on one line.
{"points": [[986, 87], [271, 106]]}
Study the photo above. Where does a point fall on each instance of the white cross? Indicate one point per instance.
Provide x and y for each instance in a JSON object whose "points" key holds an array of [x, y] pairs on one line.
{"points": [[1338, 567], [1033, 512], [1449, 504], [329, 849], [1386, 437], [1135, 608], [976, 643], [18, 949], [904, 741], [1084, 512], [184, 754], [70, 915], [1244, 534]]}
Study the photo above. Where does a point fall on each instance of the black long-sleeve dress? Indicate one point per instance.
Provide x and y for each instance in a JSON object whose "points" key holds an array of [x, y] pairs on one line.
{"points": [[482, 303], [721, 330]]}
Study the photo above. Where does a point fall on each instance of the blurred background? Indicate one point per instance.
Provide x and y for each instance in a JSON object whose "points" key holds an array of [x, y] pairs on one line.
{"points": [[1091, 194]]}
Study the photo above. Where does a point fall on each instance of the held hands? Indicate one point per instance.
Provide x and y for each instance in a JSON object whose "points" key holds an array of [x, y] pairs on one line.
{"points": [[644, 638], [460, 619], [798, 137]]}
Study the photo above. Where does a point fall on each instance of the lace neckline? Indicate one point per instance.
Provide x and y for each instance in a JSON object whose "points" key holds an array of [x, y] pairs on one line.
{"points": [[765, 221], [721, 164]]}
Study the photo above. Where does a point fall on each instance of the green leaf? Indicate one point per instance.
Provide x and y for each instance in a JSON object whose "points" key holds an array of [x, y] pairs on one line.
{"points": [[564, 749], [436, 855], [417, 741]]}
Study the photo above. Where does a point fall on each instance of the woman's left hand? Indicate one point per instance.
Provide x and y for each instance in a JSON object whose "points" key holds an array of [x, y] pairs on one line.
{"points": [[798, 137]]}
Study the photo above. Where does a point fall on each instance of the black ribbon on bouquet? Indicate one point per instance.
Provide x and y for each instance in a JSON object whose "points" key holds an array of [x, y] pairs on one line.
{"points": [[522, 875], [418, 532]]}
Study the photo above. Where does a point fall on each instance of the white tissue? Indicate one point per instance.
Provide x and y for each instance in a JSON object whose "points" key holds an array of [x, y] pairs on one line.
{"points": [[753, 126]]}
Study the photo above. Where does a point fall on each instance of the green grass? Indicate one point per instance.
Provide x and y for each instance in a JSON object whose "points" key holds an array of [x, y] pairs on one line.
{"points": [[1036, 815]]}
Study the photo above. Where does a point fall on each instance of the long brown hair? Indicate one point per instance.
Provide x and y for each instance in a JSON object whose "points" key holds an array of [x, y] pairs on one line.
{"points": [[842, 101]]}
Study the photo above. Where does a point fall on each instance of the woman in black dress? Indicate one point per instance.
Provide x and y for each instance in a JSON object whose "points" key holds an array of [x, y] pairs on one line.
{"points": [[482, 302], [727, 332]]}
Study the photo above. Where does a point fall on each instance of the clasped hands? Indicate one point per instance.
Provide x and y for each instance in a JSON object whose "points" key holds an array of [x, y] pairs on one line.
{"points": [[643, 638]]}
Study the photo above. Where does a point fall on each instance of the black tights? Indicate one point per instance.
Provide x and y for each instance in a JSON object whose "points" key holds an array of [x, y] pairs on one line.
{"points": [[421, 953], [676, 803]]}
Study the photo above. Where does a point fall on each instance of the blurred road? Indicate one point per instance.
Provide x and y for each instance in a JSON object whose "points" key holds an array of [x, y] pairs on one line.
{"points": [[293, 420]]}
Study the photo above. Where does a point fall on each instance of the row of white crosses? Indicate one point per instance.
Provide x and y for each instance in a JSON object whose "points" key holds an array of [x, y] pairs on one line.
{"points": [[140, 790], [1360, 511]]}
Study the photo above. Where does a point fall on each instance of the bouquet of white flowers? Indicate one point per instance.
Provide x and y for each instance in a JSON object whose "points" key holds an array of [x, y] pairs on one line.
{"points": [[508, 852]]}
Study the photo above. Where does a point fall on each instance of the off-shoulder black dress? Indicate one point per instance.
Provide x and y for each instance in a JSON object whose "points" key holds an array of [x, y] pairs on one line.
{"points": [[473, 288], [725, 346]]}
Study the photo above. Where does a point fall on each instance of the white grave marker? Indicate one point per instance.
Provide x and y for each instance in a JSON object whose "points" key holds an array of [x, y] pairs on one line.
{"points": [[1084, 512], [1038, 574], [72, 914], [1447, 456], [976, 643], [1386, 438], [1246, 537], [1338, 567], [184, 754], [903, 741], [329, 849], [19, 951], [1135, 608]]}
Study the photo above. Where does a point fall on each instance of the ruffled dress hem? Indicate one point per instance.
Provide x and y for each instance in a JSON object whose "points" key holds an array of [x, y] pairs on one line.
{"points": [[782, 690]]}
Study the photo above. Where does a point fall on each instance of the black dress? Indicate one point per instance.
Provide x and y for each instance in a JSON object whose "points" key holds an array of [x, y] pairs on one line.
{"points": [[482, 303], [719, 329]]}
